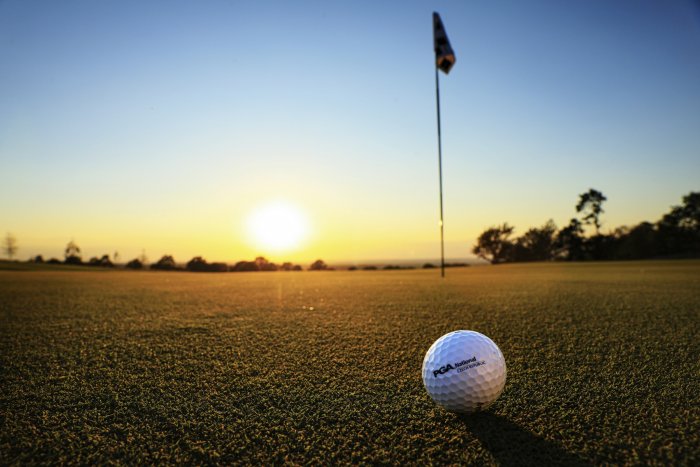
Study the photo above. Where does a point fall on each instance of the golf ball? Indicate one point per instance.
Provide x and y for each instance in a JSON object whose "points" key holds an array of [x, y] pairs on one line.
{"points": [[464, 371]]}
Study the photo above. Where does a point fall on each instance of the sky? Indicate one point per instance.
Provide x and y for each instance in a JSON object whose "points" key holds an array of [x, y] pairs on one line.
{"points": [[165, 127]]}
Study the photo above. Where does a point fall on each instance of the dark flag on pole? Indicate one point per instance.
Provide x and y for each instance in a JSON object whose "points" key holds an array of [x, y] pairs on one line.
{"points": [[444, 55]]}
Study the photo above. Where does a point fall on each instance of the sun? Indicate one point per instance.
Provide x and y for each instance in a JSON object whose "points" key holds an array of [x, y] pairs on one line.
{"points": [[278, 226]]}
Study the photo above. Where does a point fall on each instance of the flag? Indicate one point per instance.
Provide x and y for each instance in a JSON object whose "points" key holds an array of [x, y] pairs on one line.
{"points": [[444, 56]]}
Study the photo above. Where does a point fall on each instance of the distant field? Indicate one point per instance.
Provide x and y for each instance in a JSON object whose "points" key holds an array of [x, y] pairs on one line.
{"points": [[145, 367]]}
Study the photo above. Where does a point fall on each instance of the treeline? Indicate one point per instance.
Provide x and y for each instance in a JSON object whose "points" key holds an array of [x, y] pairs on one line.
{"points": [[675, 235], [168, 263], [199, 264]]}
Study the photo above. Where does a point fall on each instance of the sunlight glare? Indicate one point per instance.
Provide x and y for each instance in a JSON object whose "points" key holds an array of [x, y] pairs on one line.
{"points": [[278, 226]]}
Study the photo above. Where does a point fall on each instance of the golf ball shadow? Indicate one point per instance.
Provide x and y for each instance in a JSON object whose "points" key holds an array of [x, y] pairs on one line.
{"points": [[512, 445]]}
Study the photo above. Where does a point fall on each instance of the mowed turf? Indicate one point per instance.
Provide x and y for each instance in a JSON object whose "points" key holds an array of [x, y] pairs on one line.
{"points": [[144, 367]]}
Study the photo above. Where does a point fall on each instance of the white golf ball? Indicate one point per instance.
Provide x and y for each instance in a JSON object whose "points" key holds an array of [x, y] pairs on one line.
{"points": [[464, 371]]}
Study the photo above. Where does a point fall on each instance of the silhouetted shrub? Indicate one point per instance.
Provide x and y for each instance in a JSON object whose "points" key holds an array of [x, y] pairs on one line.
{"points": [[244, 266], [37, 259], [199, 264], [297, 268], [369, 268], [166, 263], [134, 264], [318, 265], [54, 261], [352, 268], [218, 267], [72, 253], [428, 266], [103, 262], [196, 264], [264, 265], [75, 260]]}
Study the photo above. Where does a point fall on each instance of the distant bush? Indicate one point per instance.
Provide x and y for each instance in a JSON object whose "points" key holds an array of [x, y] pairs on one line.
{"points": [[218, 267], [166, 263], [289, 267], [369, 268], [318, 265], [244, 266], [37, 259], [260, 264], [394, 267], [428, 266], [54, 261], [103, 262], [134, 264], [75, 260], [199, 264], [352, 268], [72, 254], [264, 265]]}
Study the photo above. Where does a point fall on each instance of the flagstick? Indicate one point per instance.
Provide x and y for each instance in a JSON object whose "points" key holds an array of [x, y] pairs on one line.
{"points": [[442, 230]]}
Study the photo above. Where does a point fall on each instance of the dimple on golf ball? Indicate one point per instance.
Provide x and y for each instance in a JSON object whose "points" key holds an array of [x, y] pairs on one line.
{"points": [[464, 371]]}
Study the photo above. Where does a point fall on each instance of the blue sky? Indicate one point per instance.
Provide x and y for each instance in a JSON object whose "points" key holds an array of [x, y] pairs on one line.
{"points": [[162, 125]]}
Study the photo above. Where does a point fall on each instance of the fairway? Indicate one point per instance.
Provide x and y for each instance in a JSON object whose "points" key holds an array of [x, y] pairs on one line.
{"points": [[325, 367]]}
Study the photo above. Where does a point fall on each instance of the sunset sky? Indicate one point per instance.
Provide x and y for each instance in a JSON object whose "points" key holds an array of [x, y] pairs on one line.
{"points": [[175, 127]]}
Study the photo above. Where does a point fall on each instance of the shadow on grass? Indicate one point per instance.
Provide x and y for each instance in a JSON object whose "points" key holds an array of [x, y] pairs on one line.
{"points": [[512, 445]]}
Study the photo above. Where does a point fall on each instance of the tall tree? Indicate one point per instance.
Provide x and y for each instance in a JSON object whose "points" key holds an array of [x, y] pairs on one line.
{"points": [[9, 245], [679, 230], [72, 253], [591, 204], [537, 244], [569, 243], [494, 245]]}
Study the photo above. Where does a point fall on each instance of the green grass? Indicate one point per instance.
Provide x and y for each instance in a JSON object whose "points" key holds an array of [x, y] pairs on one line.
{"points": [[144, 367]]}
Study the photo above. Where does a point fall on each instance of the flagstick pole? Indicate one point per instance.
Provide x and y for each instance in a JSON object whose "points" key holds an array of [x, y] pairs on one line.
{"points": [[442, 229]]}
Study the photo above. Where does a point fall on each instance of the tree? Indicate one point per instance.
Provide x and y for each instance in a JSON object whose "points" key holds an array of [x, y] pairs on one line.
{"points": [[679, 230], [197, 264], [569, 242], [318, 265], [636, 243], [103, 262], [134, 264], [9, 245], [493, 244], [166, 263], [72, 253], [264, 265], [591, 204], [537, 244]]}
